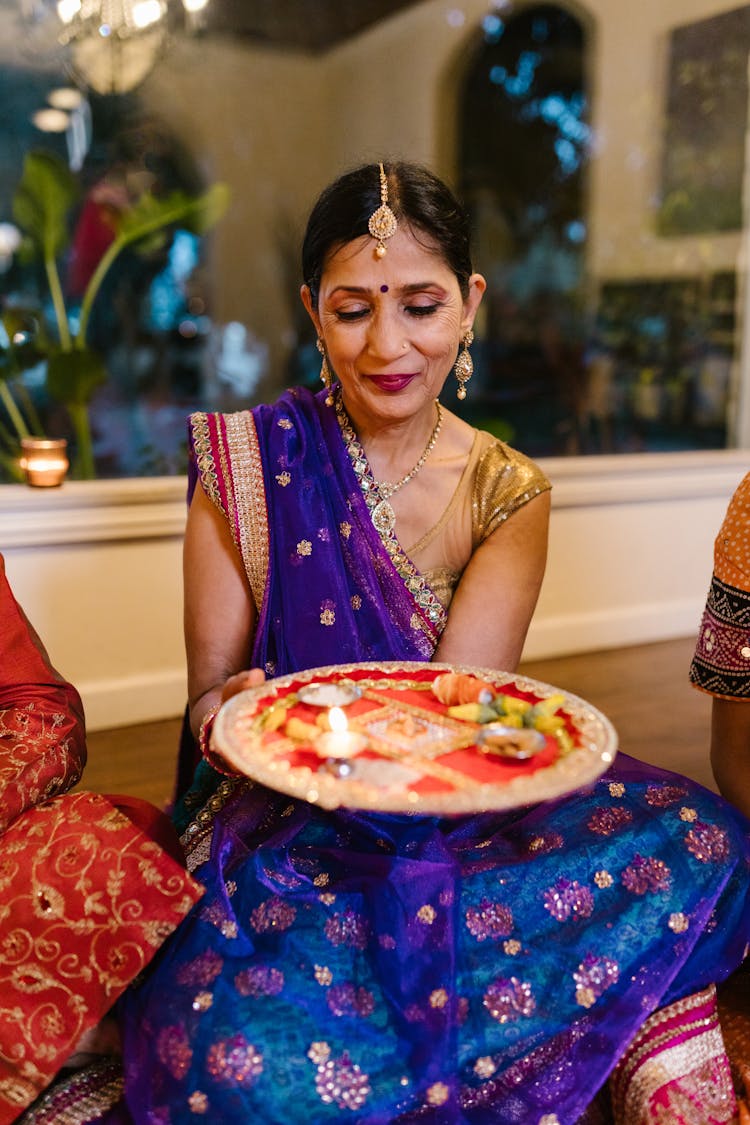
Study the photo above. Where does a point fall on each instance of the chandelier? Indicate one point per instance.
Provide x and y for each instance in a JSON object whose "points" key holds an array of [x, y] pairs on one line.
{"points": [[114, 44]]}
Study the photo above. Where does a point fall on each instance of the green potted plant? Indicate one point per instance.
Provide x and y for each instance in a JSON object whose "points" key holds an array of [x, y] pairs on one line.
{"points": [[18, 353], [42, 206]]}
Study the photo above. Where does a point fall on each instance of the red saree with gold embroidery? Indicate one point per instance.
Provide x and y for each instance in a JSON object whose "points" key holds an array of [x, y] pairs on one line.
{"points": [[87, 895]]}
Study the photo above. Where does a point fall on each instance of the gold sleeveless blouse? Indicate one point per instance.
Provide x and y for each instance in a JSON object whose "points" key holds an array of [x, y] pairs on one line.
{"points": [[495, 483]]}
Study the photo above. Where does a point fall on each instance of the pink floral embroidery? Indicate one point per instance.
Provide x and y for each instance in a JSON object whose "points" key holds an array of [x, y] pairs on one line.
{"points": [[346, 1000], [662, 795], [273, 914], [507, 1000], [606, 821], [341, 1081], [707, 842], [202, 970], [567, 898], [173, 1050], [595, 975], [647, 875], [347, 929], [259, 981], [489, 920], [234, 1061]]}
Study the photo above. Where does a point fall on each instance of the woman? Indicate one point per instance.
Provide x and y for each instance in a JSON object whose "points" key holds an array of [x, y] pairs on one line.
{"points": [[354, 966], [721, 662], [87, 893]]}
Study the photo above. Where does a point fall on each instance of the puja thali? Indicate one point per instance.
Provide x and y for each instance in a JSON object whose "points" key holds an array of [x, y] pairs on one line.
{"points": [[414, 738]]}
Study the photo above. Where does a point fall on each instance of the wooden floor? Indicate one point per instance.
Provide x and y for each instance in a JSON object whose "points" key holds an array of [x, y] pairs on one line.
{"points": [[644, 690]]}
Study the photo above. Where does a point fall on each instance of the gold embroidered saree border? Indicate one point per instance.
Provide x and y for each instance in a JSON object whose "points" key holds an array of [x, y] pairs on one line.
{"points": [[434, 616], [204, 459], [81, 1097], [231, 472], [250, 515], [671, 1046]]}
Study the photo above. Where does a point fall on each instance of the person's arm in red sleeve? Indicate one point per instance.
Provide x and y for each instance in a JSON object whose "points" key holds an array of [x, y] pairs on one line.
{"points": [[42, 727]]}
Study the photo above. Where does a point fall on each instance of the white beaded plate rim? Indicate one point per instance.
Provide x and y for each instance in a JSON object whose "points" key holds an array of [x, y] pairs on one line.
{"points": [[580, 767]]}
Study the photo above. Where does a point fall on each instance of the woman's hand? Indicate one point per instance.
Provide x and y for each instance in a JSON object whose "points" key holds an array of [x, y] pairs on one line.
{"points": [[241, 681]]}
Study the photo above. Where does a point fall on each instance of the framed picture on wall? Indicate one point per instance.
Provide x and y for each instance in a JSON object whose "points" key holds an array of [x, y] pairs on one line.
{"points": [[705, 122]]}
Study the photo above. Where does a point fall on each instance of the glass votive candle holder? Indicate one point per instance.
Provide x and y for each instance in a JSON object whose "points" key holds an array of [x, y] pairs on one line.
{"points": [[339, 741], [44, 461]]}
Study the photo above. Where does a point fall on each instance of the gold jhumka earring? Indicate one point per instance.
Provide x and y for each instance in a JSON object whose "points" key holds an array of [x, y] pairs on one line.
{"points": [[325, 371], [383, 222], [464, 366]]}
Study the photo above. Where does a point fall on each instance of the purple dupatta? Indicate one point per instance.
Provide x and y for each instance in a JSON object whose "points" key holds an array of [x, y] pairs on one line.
{"points": [[329, 590]]}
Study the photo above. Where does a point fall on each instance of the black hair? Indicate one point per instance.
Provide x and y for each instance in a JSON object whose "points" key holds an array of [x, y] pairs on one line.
{"points": [[419, 200]]}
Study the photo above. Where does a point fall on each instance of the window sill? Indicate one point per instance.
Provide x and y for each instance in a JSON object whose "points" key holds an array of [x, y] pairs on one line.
{"points": [[154, 507], [92, 511]]}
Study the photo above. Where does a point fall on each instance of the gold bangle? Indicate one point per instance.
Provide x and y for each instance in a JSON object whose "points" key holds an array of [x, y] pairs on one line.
{"points": [[204, 733]]}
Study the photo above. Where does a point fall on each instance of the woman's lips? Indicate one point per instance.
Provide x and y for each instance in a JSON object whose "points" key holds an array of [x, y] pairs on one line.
{"points": [[391, 382]]}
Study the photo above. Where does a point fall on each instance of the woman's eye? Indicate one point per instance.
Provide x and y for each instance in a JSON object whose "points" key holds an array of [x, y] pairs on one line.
{"points": [[421, 310], [351, 314]]}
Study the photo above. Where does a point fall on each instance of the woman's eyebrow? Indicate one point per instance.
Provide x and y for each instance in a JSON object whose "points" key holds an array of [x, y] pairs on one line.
{"points": [[350, 289], [412, 287], [420, 286]]}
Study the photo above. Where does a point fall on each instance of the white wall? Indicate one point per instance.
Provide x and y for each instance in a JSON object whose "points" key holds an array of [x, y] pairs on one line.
{"points": [[631, 548], [98, 570]]}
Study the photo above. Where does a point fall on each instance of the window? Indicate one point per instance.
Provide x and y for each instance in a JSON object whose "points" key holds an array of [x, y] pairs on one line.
{"points": [[605, 207]]}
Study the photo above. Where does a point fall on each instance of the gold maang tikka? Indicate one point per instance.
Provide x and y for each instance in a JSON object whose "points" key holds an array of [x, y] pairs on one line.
{"points": [[383, 222]]}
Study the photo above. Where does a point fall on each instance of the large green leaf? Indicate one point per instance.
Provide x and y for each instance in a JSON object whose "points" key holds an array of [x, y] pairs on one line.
{"points": [[153, 213], [143, 222], [43, 199], [72, 377]]}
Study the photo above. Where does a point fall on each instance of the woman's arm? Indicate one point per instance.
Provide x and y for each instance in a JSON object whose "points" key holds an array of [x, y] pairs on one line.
{"points": [[730, 750], [493, 603], [220, 614]]}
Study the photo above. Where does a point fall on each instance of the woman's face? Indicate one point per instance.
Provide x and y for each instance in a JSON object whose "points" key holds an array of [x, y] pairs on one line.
{"points": [[392, 325]]}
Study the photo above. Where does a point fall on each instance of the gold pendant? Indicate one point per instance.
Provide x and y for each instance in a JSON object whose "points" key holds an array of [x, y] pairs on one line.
{"points": [[383, 517]]}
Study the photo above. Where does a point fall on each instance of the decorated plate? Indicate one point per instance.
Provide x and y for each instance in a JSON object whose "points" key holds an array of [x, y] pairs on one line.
{"points": [[414, 737]]}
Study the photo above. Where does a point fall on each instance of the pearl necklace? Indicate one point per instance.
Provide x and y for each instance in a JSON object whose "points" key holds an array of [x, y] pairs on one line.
{"points": [[377, 494]]}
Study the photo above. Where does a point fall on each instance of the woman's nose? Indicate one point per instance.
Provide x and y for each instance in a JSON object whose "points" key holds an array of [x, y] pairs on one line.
{"points": [[386, 339]]}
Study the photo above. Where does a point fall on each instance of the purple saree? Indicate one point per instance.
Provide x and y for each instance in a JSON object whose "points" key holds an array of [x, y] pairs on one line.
{"points": [[377, 968]]}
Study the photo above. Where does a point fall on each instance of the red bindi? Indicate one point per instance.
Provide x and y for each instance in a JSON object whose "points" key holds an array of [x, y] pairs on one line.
{"points": [[383, 288]]}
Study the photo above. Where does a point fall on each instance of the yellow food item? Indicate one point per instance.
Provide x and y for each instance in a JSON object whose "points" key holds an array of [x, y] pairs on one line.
{"points": [[274, 717], [549, 724], [472, 712], [514, 719], [549, 705], [301, 731], [511, 705]]}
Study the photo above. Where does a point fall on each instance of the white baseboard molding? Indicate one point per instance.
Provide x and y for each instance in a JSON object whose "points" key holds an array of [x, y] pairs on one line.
{"points": [[619, 627], [134, 699]]}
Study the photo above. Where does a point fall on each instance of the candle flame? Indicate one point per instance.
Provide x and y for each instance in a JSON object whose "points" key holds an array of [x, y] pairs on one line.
{"points": [[337, 719]]}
